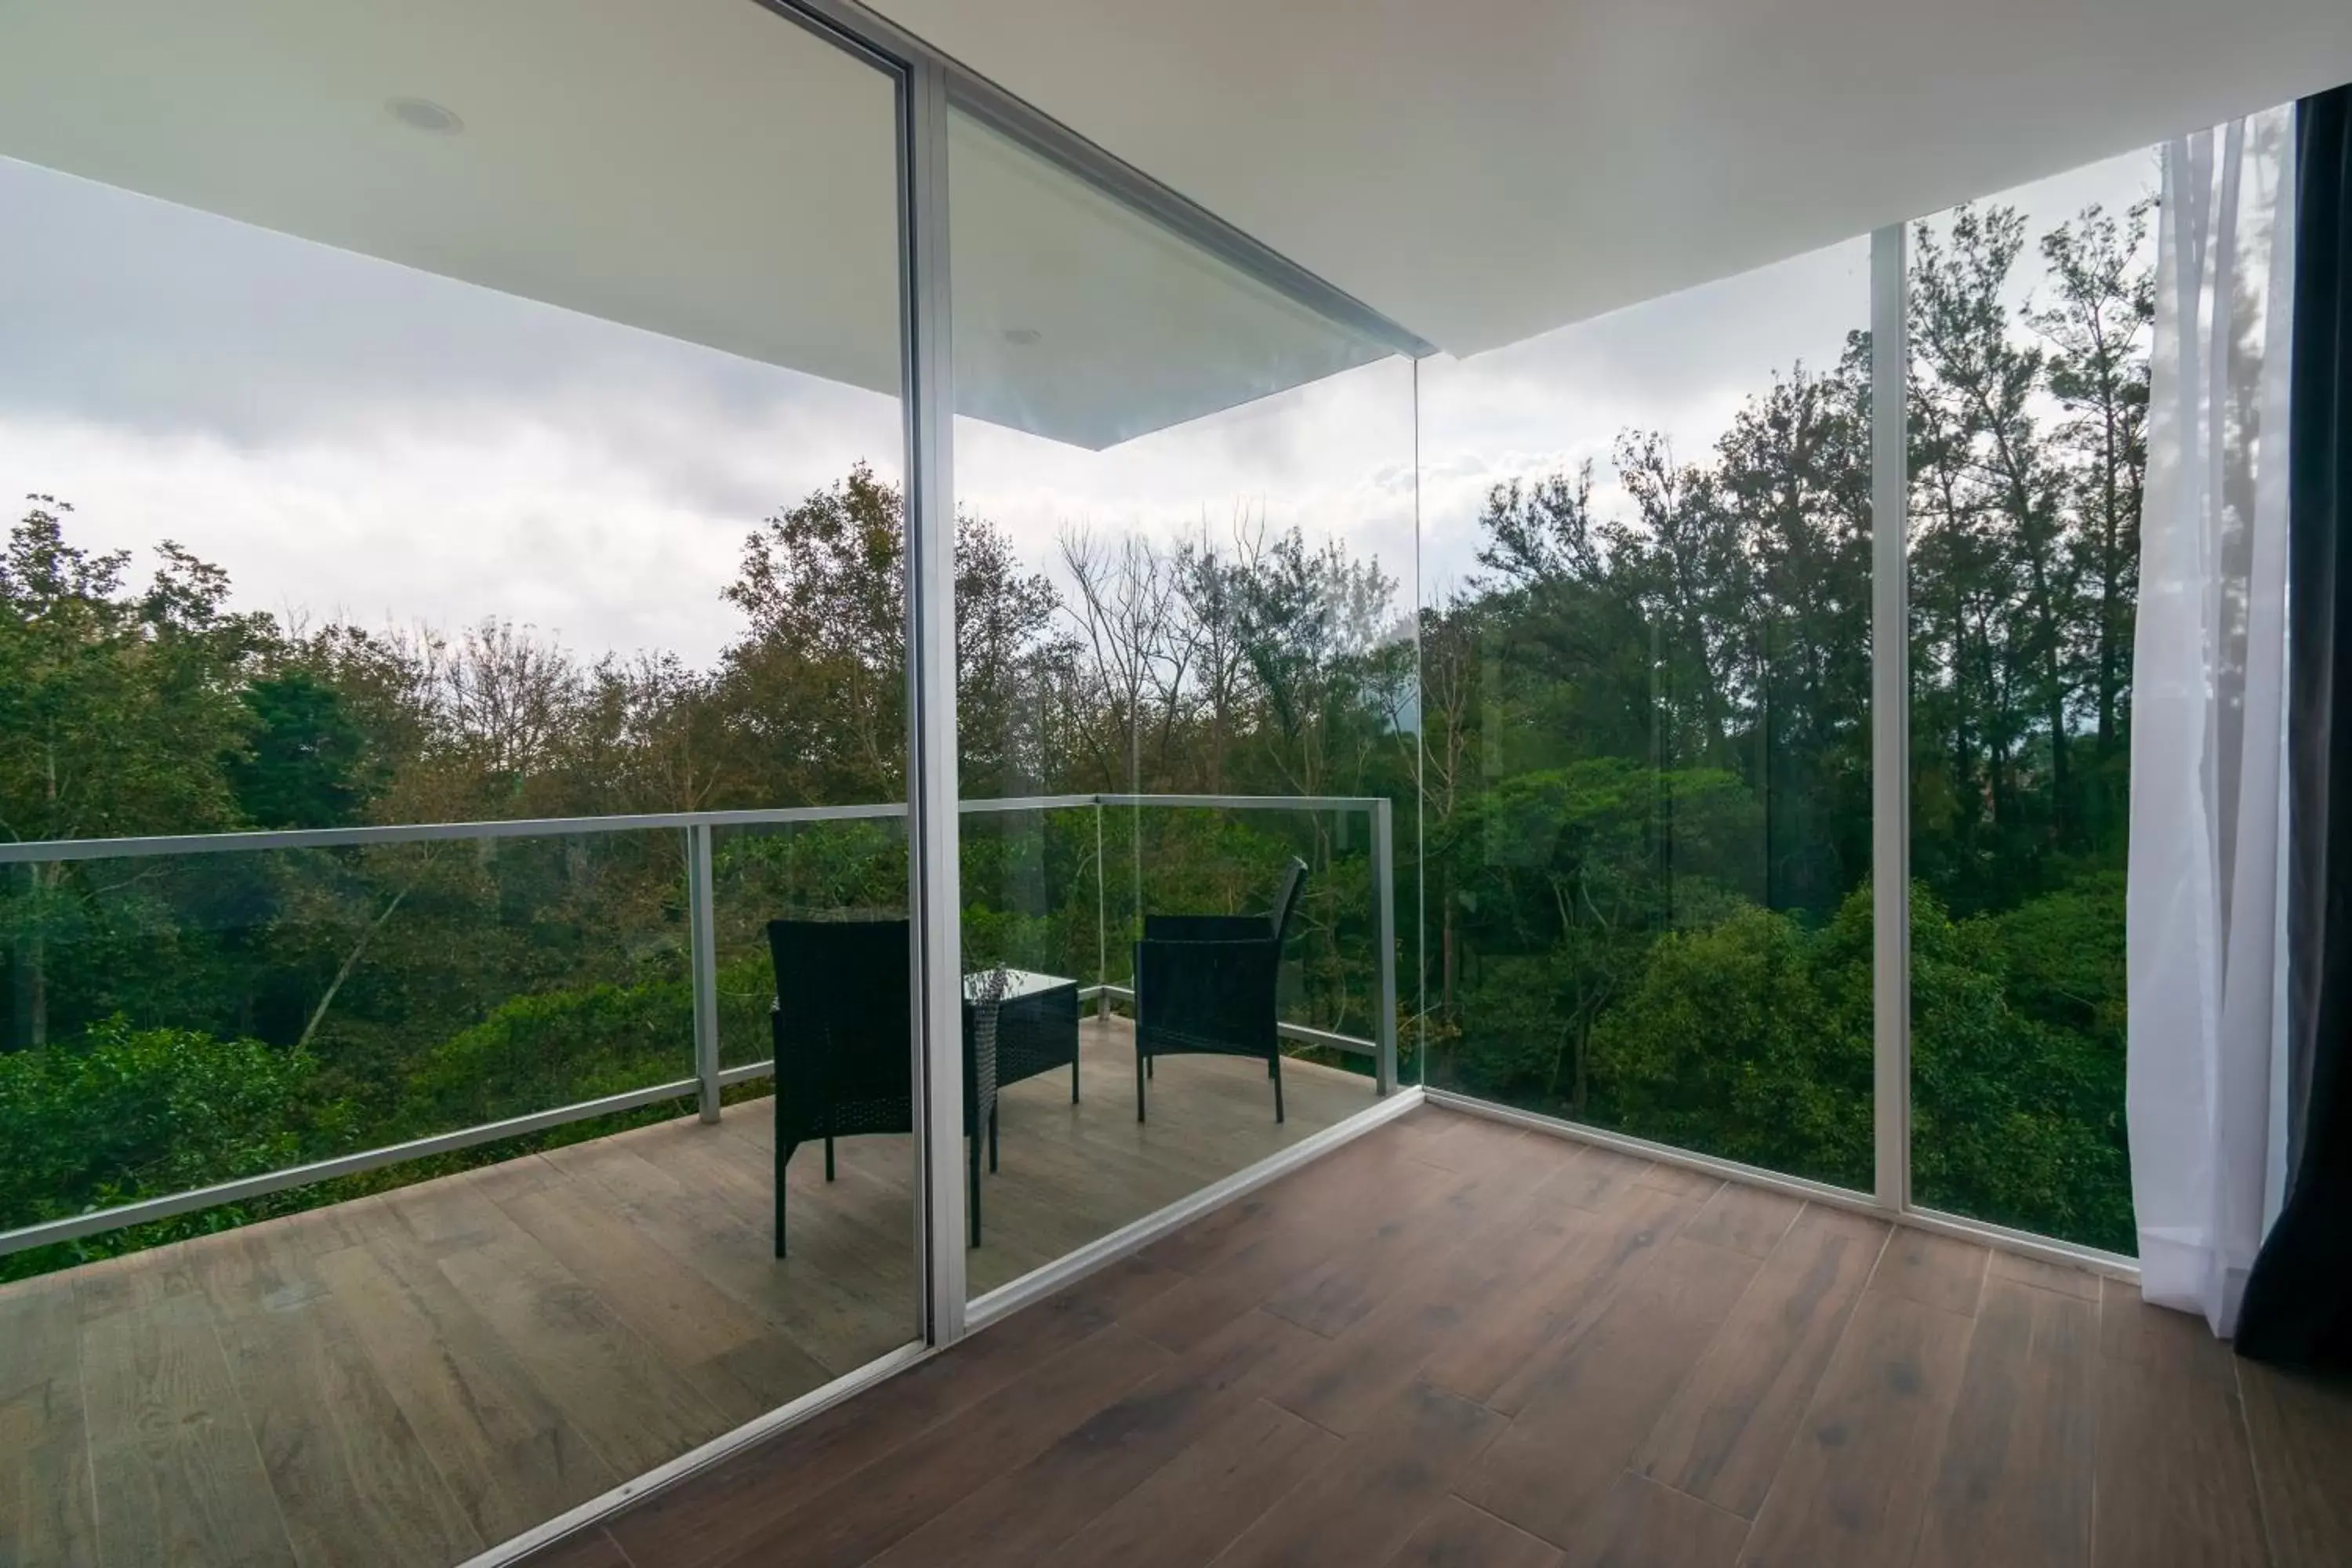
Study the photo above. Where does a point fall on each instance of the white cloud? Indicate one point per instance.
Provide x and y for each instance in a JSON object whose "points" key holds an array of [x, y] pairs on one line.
{"points": [[351, 438]]}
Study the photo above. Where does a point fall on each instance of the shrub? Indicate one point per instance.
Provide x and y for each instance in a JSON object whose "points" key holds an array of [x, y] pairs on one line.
{"points": [[118, 1114], [1742, 1040], [551, 1048]]}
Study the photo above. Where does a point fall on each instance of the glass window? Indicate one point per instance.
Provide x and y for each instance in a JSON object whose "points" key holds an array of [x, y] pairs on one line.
{"points": [[2031, 320], [1185, 573], [441, 419], [1645, 698]]}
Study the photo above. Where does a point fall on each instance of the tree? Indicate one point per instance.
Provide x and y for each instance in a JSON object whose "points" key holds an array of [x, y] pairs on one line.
{"points": [[1570, 857], [1126, 596], [1210, 589], [125, 1114], [303, 763], [118, 705], [1744, 1038], [1313, 625], [119, 708], [1641, 737], [815, 689], [2098, 333]]}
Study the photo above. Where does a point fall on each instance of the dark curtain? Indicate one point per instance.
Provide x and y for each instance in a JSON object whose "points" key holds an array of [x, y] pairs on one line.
{"points": [[2298, 1303]]}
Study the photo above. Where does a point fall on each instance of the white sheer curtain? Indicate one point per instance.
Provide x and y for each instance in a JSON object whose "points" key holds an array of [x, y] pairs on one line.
{"points": [[2205, 947]]}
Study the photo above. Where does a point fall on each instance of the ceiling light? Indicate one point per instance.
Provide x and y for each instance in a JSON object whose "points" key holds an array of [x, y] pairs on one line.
{"points": [[424, 114]]}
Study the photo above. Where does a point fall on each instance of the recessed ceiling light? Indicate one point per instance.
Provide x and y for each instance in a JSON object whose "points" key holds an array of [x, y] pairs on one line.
{"points": [[1024, 336], [424, 114]]}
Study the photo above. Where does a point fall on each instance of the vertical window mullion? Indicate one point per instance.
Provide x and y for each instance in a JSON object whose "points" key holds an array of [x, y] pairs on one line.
{"points": [[934, 888], [1890, 699]]}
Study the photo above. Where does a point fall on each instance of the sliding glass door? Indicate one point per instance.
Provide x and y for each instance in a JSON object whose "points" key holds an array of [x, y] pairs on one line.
{"points": [[1183, 578], [458, 612]]}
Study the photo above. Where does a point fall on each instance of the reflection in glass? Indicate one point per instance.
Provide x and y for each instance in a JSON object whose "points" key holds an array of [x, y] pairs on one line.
{"points": [[1183, 564]]}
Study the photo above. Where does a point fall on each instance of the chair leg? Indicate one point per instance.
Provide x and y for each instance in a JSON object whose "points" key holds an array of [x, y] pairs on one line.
{"points": [[1074, 1080], [991, 1136], [974, 1200], [783, 1158], [828, 1157], [1273, 1066], [1149, 1064], [1143, 1071]]}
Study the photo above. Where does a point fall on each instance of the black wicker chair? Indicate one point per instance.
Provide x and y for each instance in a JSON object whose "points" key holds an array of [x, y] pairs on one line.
{"points": [[1206, 985], [1275, 921], [843, 1023]]}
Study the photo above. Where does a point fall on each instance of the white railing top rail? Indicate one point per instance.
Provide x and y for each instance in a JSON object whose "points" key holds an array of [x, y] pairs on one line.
{"points": [[39, 851]]}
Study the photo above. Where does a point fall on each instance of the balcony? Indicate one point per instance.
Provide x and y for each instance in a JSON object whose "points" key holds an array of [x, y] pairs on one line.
{"points": [[415, 1371], [414, 1376]]}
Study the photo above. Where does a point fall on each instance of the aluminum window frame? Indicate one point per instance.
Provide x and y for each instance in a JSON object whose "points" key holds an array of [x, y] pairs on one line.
{"points": [[1890, 1194], [1890, 718]]}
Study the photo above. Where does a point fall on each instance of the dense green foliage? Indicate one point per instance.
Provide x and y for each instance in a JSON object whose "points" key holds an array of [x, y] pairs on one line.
{"points": [[123, 1113], [1648, 770], [1641, 740]]}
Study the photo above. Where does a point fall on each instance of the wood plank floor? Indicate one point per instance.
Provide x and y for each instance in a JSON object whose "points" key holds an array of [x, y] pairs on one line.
{"points": [[1453, 1342], [409, 1378]]}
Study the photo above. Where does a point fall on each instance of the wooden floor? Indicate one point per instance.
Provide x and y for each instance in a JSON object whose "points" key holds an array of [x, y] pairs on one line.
{"points": [[1451, 1342], [410, 1378]]}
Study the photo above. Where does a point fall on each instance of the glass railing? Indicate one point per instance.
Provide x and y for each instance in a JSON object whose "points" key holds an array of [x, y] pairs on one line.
{"points": [[215, 1026]]}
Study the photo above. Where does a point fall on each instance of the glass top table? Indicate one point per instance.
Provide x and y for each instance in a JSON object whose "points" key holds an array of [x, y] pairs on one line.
{"points": [[1018, 983], [1037, 1027]]}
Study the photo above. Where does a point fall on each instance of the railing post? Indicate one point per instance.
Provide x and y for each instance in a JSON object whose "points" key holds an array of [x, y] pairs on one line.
{"points": [[702, 944], [1102, 920], [1384, 1024]]}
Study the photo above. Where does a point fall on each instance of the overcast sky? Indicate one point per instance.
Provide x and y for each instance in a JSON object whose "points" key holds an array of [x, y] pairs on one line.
{"points": [[353, 439]]}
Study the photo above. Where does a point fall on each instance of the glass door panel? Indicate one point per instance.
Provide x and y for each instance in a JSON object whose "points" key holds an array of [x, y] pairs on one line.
{"points": [[517, 388], [1184, 576]]}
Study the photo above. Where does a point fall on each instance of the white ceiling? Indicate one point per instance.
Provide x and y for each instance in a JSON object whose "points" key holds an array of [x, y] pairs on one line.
{"points": [[1482, 170], [703, 169], [1479, 170], [651, 165]]}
